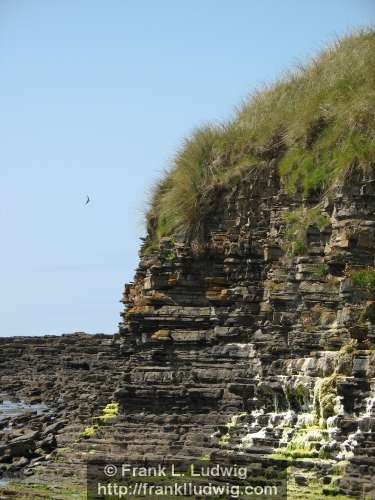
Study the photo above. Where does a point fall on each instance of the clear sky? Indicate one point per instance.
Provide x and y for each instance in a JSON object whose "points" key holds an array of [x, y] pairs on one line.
{"points": [[95, 96]]}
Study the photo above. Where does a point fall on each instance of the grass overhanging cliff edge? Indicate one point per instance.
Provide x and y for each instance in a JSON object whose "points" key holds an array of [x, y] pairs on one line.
{"points": [[315, 123]]}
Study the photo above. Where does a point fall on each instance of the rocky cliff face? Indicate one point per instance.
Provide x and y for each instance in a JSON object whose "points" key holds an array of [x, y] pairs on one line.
{"points": [[238, 349], [257, 345]]}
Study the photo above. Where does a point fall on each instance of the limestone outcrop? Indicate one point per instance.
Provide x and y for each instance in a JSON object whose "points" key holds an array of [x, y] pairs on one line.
{"points": [[74, 376], [241, 347], [256, 345]]}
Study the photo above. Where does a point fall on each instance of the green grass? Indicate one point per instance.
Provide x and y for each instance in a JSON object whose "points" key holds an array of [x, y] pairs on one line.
{"points": [[364, 278], [297, 223], [320, 270], [315, 122], [303, 444]]}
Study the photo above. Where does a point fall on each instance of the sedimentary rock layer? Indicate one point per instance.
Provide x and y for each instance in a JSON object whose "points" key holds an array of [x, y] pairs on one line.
{"points": [[234, 348], [237, 347]]}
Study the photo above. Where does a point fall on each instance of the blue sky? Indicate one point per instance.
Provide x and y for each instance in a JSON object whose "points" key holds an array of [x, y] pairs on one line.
{"points": [[95, 96]]}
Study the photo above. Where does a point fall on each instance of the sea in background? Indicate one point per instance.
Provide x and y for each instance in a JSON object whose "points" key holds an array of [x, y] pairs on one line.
{"points": [[10, 407]]}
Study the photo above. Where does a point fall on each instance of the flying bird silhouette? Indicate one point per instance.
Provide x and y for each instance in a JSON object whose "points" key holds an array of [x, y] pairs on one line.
{"points": [[87, 200]]}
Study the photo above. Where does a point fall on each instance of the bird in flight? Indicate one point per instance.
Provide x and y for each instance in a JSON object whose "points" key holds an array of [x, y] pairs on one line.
{"points": [[87, 200]]}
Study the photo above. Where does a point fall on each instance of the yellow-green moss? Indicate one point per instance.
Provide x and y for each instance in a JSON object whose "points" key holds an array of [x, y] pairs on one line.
{"points": [[325, 394], [349, 347], [90, 431], [110, 411]]}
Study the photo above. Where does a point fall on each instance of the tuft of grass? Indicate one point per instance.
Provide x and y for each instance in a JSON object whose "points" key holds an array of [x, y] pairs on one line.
{"points": [[297, 223], [320, 270], [364, 278], [316, 122], [302, 445], [349, 347], [182, 196]]}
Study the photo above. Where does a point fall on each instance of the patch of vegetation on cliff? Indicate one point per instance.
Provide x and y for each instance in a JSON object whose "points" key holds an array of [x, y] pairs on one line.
{"points": [[109, 411], [304, 444], [320, 270], [231, 424], [349, 347], [325, 394], [297, 396], [297, 224], [365, 279], [314, 123]]}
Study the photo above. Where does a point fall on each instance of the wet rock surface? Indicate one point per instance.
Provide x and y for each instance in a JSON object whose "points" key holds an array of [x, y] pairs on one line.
{"points": [[62, 382]]}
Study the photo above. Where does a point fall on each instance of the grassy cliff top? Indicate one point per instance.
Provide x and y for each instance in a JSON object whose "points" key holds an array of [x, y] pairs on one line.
{"points": [[315, 122]]}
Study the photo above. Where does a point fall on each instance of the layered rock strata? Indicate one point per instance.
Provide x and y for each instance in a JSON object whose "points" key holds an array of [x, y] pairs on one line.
{"points": [[234, 349], [73, 375], [237, 348]]}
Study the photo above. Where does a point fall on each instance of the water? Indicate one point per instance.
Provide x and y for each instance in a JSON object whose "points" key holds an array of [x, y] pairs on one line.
{"points": [[11, 407]]}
